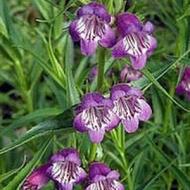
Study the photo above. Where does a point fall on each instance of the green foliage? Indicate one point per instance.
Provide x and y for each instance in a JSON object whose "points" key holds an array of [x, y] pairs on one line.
{"points": [[43, 76]]}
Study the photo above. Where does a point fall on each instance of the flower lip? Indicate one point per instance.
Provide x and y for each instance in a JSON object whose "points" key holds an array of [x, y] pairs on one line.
{"points": [[94, 9]]}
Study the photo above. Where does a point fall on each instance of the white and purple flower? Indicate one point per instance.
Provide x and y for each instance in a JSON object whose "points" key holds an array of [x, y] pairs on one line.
{"points": [[91, 28], [135, 40], [95, 116], [37, 179], [101, 177], [184, 85], [129, 74], [65, 169], [129, 106]]}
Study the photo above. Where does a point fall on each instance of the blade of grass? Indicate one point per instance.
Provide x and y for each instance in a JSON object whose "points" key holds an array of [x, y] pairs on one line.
{"points": [[17, 181]]}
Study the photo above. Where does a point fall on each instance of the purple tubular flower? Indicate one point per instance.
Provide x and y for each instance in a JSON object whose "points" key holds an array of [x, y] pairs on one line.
{"points": [[129, 74], [102, 177], [92, 28], [135, 41], [95, 116], [65, 169], [184, 85], [130, 106], [93, 73], [37, 179]]}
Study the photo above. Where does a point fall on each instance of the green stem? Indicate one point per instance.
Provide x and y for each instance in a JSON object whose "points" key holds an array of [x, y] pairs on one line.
{"points": [[119, 143], [168, 111], [125, 160], [93, 152], [101, 63]]}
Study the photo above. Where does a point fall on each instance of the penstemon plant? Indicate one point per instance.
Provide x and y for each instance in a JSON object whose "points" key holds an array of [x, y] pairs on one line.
{"points": [[95, 95]]}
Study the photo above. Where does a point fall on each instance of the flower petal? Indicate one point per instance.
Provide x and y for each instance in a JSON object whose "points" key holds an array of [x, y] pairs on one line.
{"points": [[119, 90], [137, 46], [127, 23], [113, 120], [64, 154], [79, 123], [106, 184], [146, 110], [92, 99], [66, 173], [119, 50], [88, 47], [148, 27], [118, 185], [97, 120], [153, 45], [138, 62], [73, 31], [131, 125], [129, 74], [37, 179], [96, 136], [113, 175], [98, 168], [108, 39], [74, 158], [180, 89], [94, 9], [64, 186]]}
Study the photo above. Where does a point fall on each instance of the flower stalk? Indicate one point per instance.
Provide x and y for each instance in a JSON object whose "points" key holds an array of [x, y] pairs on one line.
{"points": [[101, 64]]}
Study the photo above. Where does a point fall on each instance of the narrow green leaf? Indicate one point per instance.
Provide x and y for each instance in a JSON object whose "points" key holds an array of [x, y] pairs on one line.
{"points": [[152, 181], [180, 176], [44, 8], [17, 181], [8, 174], [157, 84], [62, 122], [72, 93], [3, 29], [32, 117]]}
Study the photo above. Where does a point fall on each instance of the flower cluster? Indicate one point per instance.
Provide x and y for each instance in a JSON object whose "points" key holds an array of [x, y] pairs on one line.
{"points": [[131, 38], [184, 85], [97, 114], [64, 169]]}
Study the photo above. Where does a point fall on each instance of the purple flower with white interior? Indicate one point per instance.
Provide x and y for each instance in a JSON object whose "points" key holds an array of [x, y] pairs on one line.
{"points": [[91, 27], [129, 74], [184, 85], [101, 177], [130, 106], [95, 116], [37, 179], [135, 40], [65, 169]]}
